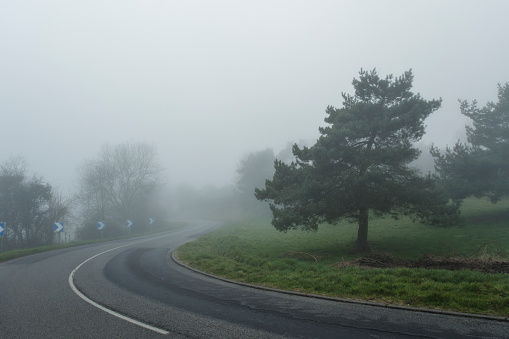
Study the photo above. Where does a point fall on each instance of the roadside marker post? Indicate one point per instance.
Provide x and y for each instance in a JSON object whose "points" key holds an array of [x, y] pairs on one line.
{"points": [[58, 227], [100, 226], [2, 230], [129, 224]]}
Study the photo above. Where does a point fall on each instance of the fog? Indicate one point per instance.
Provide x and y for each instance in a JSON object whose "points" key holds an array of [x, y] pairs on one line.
{"points": [[209, 81]]}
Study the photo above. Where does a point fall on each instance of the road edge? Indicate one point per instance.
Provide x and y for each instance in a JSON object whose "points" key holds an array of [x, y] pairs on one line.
{"points": [[344, 300]]}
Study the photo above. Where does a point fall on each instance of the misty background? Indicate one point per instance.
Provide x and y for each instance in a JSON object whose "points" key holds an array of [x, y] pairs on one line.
{"points": [[208, 82]]}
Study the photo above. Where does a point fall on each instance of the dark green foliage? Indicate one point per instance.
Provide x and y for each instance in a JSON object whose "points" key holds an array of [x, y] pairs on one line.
{"points": [[359, 166], [481, 167], [28, 206]]}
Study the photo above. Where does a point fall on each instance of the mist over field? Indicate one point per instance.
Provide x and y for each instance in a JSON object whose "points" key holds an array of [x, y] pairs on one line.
{"points": [[206, 83], [334, 148]]}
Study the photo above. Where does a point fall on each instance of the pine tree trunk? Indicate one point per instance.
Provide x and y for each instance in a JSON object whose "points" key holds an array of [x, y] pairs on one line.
{"points": [[362, 234]]}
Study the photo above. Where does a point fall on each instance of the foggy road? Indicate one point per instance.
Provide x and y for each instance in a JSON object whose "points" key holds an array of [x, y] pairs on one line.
{"points": [[131, 278]]}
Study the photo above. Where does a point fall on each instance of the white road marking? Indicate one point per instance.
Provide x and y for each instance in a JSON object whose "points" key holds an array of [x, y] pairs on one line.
{"points": [[105, 309]]}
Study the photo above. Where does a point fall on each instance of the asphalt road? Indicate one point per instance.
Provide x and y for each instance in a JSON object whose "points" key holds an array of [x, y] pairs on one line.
{"points": [[127, 289]]}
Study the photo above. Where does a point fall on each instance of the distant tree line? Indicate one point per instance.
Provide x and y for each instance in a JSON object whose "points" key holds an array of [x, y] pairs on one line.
{"points": [[363, 165], [121, 184]]}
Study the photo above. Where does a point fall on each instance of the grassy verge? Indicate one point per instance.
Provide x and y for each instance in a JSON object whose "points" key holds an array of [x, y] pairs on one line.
{"points": [[13, 254], [254, 252]]}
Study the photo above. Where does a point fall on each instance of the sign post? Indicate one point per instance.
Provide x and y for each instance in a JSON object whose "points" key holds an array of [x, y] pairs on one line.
{"points": [[100, 226], [129, 224], [2, 229], [58, 227]]}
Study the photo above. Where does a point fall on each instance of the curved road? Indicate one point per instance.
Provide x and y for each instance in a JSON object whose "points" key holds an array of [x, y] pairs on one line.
{"points": [[126, 289]]}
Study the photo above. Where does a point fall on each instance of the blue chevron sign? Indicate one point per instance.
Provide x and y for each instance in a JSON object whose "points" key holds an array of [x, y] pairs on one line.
{"points": [[2, 228], [101, 225], [58, 227], [129, 223]]}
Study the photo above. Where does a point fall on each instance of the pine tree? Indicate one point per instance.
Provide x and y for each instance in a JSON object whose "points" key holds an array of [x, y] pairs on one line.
{"points": [[359, 166], [480, 167]]}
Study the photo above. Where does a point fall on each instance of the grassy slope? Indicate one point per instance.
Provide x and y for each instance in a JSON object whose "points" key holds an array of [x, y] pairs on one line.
{"points": [[254, 252]]}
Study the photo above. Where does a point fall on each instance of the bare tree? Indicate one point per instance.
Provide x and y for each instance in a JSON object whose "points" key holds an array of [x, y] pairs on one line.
{"points": [[118, 185]]}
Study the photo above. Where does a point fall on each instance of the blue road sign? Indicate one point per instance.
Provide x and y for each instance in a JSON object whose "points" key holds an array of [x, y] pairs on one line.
{"points": [[150, 221], [101, 225], [129, 223], [2, 228], [58, 227]]}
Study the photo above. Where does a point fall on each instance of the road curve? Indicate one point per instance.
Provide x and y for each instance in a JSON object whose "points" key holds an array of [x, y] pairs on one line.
{"points": [[126, 289]]}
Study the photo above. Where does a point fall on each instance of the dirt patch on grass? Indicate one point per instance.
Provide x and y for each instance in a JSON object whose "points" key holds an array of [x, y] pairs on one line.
{"points": [[377, 259]]}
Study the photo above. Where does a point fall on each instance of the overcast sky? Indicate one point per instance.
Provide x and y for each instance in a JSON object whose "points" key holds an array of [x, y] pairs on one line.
{"points": [[209, 81]]}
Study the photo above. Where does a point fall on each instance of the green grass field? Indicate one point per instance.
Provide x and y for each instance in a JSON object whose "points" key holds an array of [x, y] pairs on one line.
{"points": [[254, 252]]}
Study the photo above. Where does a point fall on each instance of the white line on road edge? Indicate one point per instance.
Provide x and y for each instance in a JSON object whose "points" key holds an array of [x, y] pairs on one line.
{"points": [[116, 314]]}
